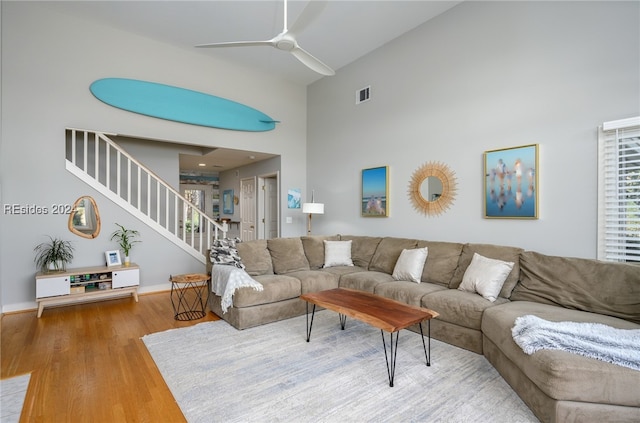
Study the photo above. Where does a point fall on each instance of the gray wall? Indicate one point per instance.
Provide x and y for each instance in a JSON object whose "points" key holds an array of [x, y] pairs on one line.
{"points": [[230, 179], [482, 76], [48, 62]]}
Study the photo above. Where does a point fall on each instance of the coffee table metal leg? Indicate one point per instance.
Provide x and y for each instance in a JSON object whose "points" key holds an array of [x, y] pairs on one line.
{"points": [[309, 325], [343, 320], [391, 357], [426, 356]]}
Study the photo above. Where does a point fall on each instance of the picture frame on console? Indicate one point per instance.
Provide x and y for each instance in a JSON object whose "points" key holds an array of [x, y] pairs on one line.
{"points": [[375, 192], [511, 183], [113, 258]]}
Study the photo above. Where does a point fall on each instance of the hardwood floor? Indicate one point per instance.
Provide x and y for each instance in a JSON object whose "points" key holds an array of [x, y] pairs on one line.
{"points": [[87, 361]]}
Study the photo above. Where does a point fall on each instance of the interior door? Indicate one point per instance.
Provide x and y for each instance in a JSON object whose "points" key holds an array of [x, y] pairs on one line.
{"points": [[248, 204], [271, 208]]}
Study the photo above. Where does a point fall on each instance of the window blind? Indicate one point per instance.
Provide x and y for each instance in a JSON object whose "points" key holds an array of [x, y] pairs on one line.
{"points": [[619, 191]]}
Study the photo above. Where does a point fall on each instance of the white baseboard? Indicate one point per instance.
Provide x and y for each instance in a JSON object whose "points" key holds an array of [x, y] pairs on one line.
{"points": [[14, 308], [155, 288], [32, 305]]}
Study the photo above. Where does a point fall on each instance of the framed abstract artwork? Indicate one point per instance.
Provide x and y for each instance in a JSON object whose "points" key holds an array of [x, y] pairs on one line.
{"points": [[293, 198], [511, 183], [227, 201], [375, 192]]}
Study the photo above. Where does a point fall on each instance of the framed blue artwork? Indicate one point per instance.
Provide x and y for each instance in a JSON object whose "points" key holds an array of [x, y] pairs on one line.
{"points": [[374, 201], [293, 198], [511, 183], [227, 201]]}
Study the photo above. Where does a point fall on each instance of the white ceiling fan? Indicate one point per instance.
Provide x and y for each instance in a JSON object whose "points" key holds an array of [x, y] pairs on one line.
{"points": [[286, 40]]}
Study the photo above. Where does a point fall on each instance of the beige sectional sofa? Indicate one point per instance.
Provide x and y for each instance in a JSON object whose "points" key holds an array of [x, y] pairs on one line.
{"points": [[558, 386]]}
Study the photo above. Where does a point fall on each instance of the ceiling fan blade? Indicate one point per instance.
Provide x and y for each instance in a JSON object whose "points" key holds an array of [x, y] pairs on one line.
{"points": [[311, 11], [238, 44], [286, 40], [311, 62]]}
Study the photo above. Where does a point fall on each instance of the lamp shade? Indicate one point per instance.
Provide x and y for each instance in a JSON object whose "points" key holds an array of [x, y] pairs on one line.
{"points": [[313, 208]]}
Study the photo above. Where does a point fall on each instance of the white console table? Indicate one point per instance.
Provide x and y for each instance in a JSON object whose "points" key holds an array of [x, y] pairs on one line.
{"points": [[85, 284]]}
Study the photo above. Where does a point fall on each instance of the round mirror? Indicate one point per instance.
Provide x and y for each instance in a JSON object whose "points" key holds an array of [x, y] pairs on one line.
{"points": [[84, 219], [432, 188]]}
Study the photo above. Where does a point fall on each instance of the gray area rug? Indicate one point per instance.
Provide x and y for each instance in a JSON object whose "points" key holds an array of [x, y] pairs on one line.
{"points": [[271, 374], [12, 394]]}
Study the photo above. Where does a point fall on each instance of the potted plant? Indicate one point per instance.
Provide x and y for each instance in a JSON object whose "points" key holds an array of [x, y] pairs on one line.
{"points": [[53, 255], [125, 238]]}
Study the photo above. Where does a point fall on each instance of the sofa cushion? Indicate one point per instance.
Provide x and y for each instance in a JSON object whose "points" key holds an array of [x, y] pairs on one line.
{"points": [[315, 280], [442, 261], [343, 270], [255, 257], [485, 276], [497, 252], [559, 374], [275, 288], [364, 281], [406, 292], [314, 249], [459, 307], [582, 284], [287, 255], [337, 253], [410, 265], [387, 253], [362, 248]]}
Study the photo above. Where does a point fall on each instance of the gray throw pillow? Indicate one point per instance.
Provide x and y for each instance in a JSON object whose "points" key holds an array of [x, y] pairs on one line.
{"points": [[223, 251]]}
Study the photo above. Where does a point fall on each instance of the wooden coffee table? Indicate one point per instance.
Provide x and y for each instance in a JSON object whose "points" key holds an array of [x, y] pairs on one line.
{"points": [[380, 312]]}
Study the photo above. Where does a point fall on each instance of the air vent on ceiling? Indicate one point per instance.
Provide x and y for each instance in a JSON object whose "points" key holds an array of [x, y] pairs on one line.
{"points": [[363, 94]]}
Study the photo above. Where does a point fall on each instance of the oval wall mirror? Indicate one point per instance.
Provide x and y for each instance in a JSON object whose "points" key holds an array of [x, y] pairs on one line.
{"points": [[84, 219], [432, 188]]}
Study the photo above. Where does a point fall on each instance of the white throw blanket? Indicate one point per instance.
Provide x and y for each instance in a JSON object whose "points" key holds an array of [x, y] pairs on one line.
{"points": [[595, 340], [226, 279]]}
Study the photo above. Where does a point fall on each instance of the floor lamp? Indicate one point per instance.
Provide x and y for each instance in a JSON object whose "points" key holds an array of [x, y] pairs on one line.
{"points": [[311, 209]]}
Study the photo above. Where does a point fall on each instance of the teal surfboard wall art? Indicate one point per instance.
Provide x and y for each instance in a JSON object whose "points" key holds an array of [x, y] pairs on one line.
{"points": [[180, 105]]}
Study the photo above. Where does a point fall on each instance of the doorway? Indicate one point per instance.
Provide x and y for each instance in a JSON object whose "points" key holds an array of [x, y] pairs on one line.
{"points": [[248, 209], [269, 206], [201, 196]]}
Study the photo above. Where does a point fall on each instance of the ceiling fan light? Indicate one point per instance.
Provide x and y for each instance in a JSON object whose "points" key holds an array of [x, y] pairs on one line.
{"points": [[286, 44]]}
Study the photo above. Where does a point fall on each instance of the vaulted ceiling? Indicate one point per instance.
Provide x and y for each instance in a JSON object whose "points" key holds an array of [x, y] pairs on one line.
{"points": [[343, 32]]}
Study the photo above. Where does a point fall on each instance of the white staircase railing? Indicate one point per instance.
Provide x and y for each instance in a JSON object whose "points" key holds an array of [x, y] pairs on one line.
{"points": [[103, 164]]}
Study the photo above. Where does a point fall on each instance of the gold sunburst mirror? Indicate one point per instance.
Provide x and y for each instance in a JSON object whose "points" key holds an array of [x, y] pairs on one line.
{"points": [[432, 188]]}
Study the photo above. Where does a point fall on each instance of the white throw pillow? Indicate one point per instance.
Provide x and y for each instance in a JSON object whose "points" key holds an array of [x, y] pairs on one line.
{"points": [[485, 276], [337, 253], [410, 265]]}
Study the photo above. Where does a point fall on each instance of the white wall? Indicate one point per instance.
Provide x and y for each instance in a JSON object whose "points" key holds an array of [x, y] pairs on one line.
{"points": [[482, 76], [48, 62]]}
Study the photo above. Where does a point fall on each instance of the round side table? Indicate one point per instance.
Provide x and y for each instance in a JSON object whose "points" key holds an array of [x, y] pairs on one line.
{"points": [[189, 295]]}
